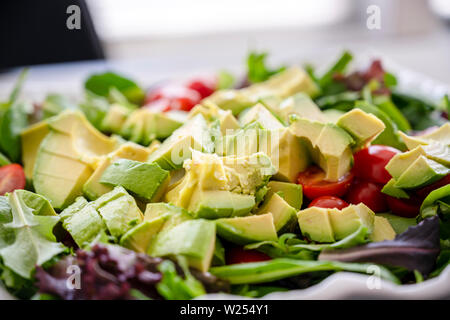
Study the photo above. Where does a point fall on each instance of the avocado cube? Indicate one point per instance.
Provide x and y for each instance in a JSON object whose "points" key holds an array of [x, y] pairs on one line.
{"points": [[139, 237], [421, 172], [382, 230], [145, 180], [259, 113], [391, 190], [290, 192], [315, 224], [31, 139], [346, 221], [284, 216], [193, 239]]}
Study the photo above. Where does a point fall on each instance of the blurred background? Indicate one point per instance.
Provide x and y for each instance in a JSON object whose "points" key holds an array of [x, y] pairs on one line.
{"points": [[151, 40]]}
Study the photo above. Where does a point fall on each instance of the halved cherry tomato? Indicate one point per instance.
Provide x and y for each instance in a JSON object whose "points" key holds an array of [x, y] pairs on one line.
{"points": [[205, 86], [368, 193], [314, 184], [328, 202], [12, 177], [239, 255], [422, 193], [172, 97], [408, 208], [370, 163]]}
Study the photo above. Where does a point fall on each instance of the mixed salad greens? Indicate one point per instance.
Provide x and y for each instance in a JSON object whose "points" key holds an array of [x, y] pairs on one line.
{"points": [[252, 186]]}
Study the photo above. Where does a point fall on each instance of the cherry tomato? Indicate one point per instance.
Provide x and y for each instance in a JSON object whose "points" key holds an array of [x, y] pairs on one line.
{"points": [[370, 163], [172, 97], [408, 208], [239, 255], [368, 193], [314, 185], [328, 202], [12, 177], [422, 193], [204, 86]]}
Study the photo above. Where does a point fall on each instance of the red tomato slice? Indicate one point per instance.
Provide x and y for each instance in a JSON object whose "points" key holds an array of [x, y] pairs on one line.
{"points": [[314, 185], [204, 86], [172, 97], [368, 193], [239, 255], [422, 193], [12, 177], [370, 163], [329, 202], [408, 208]]}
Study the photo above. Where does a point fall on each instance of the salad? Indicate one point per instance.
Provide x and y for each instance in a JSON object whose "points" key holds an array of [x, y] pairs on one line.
{"points": [[216, 184]]}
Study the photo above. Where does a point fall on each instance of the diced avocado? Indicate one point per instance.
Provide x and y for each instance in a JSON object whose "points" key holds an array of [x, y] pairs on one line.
{"points": [[240, 142], [363, 127], [346, 221], [438, 152], [211, 112], [194, 134], [288, 154], [440, 135], [172, 214], [67, 156], [391, 190], [244, 230], [231, 99], [290, 192], [139, 237], [214, 204], [329, 146], [260, 114], [129, 150], [412, 142], [284, 216], [31, 139], [145, 180], [83, 223], [399, 224], [194, 239], [421, 172], [382, 230], [301, 105], [118, 210], [333, 115], [115, 118], [315, 224], [284, 84]]}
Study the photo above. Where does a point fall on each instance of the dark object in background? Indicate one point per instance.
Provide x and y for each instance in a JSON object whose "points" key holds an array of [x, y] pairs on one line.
{"points": [[35, 32]]}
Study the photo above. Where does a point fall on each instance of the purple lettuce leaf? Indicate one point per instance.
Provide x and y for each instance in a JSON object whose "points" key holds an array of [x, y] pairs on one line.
{"points": [[415, 249]]}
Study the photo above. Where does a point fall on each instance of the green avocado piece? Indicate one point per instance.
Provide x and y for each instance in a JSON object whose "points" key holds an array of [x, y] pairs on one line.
{"points": [[362, 126], [328, 144], [31, 139], [302, 106], [290, 192], [245, 230], [284, 216], [333, 115], [193, 239], [194, 134], [231, 99], [118, 210], [421, 172], [346, 221], [214, 204], [259, 113], [399, 224], [145, 180], [315, 224], [391, 190], [84, 225], [382, 230], [139, 237], [115, 118], [172, 214]]}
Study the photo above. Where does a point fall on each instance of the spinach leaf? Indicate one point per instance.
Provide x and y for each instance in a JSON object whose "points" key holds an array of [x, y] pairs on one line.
{"points": [[415, 249], [276, 269], [100, 84], [12, 123], [33, 243], [257, 70]]}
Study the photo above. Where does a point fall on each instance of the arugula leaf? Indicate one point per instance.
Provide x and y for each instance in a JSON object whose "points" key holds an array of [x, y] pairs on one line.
{"points": [[338, 67], [174, 287], [276, 269], [257, 70], [33, 243], [12, 123], [415, 249], [100, 84]]}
